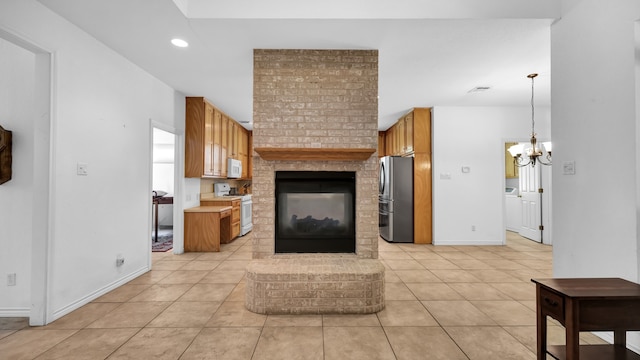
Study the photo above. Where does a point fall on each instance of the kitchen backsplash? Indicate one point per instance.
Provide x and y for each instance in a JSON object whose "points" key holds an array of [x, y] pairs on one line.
{"points": [[206, 185]]}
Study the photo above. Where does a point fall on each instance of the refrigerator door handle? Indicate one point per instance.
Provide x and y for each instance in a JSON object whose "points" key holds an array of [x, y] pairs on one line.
{"points": [[382, 184]]}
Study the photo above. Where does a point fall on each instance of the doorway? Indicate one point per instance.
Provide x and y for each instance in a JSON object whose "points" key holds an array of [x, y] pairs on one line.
{"points": [[26, 79], [527, 199], [163, 188]]}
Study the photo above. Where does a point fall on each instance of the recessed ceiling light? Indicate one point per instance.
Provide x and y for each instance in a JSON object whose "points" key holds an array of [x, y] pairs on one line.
{"points": [[179, 43]]}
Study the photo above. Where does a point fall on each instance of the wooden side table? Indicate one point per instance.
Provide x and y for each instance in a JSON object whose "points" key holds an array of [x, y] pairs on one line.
{"points": [[587, 304]]}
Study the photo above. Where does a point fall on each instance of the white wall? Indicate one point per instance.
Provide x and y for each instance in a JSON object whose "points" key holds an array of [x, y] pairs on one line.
{"points": [[475, 137], [102, 110], [595, 211], [17, 76], [594, 109]]}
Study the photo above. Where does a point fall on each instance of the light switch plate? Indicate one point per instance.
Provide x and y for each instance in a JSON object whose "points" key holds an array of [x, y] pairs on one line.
{"points": [[11, 279], [569, 168], [82, 169]]}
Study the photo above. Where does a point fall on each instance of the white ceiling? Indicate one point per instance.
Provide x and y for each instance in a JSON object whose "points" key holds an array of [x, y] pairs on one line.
{"points": [[429, 54]]}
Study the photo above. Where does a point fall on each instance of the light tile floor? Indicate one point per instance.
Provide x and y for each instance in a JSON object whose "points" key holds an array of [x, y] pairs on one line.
{"points": [[444, 302]]}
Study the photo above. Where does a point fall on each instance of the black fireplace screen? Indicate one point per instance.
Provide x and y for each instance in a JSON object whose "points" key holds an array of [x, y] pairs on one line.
{"points": [[315, 212]]}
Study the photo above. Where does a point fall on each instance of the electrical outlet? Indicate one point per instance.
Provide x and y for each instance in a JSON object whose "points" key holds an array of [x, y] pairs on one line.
{"points": [[119, 260], [11, 279], [473, 228]]}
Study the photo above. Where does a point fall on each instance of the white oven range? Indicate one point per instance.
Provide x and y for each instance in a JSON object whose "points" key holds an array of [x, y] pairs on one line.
{"points": [[246, 204], [246, 223]]}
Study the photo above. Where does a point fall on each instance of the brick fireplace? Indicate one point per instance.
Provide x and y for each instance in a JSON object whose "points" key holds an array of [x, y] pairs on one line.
{"points": [[318, 108]]}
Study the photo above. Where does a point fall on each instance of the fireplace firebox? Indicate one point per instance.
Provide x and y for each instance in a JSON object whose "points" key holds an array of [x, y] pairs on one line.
{"points": [[315, 212]]}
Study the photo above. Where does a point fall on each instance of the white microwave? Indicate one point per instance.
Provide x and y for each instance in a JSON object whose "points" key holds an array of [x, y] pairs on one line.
{"points": [[234, 169]]}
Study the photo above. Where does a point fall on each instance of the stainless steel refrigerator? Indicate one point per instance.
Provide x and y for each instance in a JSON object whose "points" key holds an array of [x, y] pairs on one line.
{"points": [[395, 199]]}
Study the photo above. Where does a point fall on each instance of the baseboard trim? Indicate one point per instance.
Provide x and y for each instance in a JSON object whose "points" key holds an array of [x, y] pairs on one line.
{"points": [[15, 312], [96, 294], [468, 242]]}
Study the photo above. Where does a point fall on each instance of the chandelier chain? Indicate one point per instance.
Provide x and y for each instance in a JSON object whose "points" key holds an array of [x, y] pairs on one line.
{"points": [[533, 121]]}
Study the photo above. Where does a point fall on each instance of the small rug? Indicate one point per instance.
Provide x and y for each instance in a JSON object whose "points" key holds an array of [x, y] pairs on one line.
{"points": [[165, 243]]}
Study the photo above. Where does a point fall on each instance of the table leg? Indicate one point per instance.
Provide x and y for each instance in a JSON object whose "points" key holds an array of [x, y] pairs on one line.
{"points": [[572, 328], [541, 324], [620, 338], [156, 221]]}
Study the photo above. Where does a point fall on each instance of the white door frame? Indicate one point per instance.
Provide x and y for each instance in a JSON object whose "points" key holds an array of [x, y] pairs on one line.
{"points": [[178, 204]]}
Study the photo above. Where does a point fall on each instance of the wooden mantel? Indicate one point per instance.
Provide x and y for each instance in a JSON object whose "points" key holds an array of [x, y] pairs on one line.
{"points": [[321, 154]]}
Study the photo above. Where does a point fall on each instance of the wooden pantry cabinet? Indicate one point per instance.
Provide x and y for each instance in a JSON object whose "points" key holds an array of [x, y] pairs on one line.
{"points": [[212, 137], [411, 136]]}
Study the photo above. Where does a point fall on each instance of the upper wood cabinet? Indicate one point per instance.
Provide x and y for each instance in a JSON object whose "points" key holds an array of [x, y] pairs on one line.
{"points": [[233, 139], [408, 133], [243, 151], [239, 147], [381, 144], [211, 137], [224, 144], [389, 146], [399, 138], [198, 138]]}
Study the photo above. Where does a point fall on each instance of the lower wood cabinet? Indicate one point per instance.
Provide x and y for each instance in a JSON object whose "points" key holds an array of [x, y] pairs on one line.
{"points": [[235, 216], [205, 227]]}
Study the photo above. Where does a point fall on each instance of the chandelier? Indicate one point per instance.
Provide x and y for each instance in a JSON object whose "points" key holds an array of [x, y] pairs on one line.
{"points": [[533, 152]]}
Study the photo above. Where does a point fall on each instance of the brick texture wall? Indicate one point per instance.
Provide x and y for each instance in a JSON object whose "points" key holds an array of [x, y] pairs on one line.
{"points": [[315, 99]]}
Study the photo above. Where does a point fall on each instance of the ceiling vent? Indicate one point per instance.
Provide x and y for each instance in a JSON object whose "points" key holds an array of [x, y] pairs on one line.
{"points": [[479, 89]]}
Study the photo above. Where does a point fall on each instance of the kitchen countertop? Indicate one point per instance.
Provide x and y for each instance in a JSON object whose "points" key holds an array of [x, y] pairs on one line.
{"points": [[212, 197], [208, 209]]}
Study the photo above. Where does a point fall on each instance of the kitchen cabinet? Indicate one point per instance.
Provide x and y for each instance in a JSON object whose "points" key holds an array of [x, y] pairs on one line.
{"points": [[239, 147], [211, 137], [408, 133], [233, 140], [381, 144], [198, 138], [235, 214], [217, 141], [243, 155], [250, 155], [205, 227], [399, 138], [389, 141], [224, 144]]}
